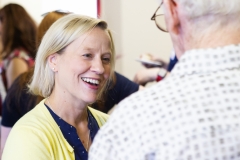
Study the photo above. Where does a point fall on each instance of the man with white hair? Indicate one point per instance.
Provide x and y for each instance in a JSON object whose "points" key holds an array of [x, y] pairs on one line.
{"points": [[194, 113]]}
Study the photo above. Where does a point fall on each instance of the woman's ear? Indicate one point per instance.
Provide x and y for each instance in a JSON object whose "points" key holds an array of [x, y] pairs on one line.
{"points": [[52, 62], [172, 16]]}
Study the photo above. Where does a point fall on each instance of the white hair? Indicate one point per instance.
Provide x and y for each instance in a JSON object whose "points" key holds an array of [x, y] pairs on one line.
{"points": [[205, 15], [198, 8]]}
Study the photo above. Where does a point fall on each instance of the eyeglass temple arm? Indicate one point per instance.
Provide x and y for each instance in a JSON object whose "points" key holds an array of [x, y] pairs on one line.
{"points": [[154, 15]]}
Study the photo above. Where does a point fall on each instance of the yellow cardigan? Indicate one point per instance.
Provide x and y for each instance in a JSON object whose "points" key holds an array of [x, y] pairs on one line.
{"points": [[36, 136]]}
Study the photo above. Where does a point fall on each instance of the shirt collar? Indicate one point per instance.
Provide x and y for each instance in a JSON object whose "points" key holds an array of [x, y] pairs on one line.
{"points": [[205, 61]]}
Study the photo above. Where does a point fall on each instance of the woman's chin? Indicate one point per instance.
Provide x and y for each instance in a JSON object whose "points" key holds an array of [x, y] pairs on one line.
{"points": [[91, 101]]}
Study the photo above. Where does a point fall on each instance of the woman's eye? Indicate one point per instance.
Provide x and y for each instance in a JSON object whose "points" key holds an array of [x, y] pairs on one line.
{"points": [[87, 55], [106, 60]]}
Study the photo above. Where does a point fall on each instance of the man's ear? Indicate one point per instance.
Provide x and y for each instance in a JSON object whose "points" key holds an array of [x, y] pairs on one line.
{"points": [[52, 62], [172, 16]]}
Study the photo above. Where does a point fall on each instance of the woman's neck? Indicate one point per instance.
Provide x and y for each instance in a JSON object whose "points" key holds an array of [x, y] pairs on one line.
{"points": [[73, 113]]}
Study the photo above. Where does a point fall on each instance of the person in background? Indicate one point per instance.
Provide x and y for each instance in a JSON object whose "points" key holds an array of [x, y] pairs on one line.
{"points": [[194, 112], [18, 33], [74, 65], [153, 73]]}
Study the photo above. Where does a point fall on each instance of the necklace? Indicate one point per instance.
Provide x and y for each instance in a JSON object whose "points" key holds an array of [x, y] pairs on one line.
{"points": [[88, 129]]}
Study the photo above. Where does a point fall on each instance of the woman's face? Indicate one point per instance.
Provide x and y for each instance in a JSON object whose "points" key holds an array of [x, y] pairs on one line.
{"points": [[84, 66]]}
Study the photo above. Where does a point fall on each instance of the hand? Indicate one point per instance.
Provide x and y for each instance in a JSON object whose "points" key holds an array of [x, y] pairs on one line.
{"points": [[146, 75], [151, 57]]}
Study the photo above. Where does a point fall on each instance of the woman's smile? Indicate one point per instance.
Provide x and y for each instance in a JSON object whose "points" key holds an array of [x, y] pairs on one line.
{"points": [[92, 83]]}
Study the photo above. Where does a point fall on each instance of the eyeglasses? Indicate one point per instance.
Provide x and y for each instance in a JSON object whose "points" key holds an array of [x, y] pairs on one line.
{"points": [[159, 20], [58, 11]]}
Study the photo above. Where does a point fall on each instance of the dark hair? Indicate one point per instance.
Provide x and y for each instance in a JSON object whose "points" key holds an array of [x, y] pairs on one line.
{"points": [[46, 22], [19, 90], [18, 31]]}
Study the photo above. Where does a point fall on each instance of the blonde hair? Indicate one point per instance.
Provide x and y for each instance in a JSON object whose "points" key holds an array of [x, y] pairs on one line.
{"points": [[63, 32]]}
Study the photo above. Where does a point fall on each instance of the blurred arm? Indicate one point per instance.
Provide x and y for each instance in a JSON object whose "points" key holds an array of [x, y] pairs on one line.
{"points": [[16, 67], [146, 75]]}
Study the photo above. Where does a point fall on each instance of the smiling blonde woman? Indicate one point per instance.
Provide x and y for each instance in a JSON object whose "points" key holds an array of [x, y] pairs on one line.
{"points": [[74, 64]]}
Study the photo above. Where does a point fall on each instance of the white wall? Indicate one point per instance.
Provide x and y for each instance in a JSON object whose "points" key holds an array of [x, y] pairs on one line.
{"points": [[37, 7], [134, 32]]}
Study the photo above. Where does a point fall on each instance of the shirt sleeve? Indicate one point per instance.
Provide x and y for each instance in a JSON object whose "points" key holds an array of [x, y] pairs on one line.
{"points": [[9, 115], [122, 89], [17, 102], [10, 111]]}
